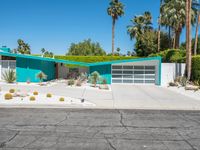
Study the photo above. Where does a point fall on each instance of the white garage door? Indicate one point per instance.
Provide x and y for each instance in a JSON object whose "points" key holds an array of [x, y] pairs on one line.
{"points": [[133, 74]]}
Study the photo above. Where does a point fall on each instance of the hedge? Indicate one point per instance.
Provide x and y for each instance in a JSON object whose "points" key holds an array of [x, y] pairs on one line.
{"points": [[174, 55], [92, 59], [196, 68]]}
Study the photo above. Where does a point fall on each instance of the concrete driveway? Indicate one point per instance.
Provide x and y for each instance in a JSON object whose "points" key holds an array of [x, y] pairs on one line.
{"points": [[151, 97], [121, 96]]}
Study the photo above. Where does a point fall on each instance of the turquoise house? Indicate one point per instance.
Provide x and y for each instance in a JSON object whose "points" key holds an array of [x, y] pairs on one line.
{"points": [[131, 71]]}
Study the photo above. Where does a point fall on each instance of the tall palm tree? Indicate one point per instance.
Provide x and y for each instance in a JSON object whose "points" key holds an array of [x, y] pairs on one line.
{"points": [[140, 24], [188, 39], [173, 15], [196, 5], [159, 26], [115, 10]]}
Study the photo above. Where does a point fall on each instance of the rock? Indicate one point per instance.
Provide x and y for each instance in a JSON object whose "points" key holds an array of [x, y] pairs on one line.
{"points": [[191, 87], [104, 87], [173, 84]]}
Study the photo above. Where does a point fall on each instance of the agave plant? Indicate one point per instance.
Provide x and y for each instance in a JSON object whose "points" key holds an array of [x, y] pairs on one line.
{"points": [[41, 76], [9, 76]]}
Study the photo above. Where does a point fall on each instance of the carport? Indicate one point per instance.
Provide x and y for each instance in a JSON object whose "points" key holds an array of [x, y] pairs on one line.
{"points": [[131, 71]]}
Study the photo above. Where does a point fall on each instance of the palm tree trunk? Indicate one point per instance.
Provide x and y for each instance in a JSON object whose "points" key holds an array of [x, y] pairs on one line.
{"points": [[169, 36], [196, 34], [159, 26], [174, 41], [159, 38], [188, 39], [113, 36], [177, 38]]}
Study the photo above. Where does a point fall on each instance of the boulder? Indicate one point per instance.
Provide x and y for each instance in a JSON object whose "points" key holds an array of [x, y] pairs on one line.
{"points": [[104, 87], [191, 87]]}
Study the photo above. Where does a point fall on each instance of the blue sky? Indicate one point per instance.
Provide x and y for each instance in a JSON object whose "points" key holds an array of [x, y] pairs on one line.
{"points": [[55, 24]]}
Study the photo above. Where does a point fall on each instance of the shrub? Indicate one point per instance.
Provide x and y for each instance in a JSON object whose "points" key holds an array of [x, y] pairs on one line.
{"points": [[8, 96], [174, 55], [35, 93], [181, 80], [94, 78], [32, 98], [41, 76], [71, 82], [92, 59], [9, 76], [196, 68], [49, 95], [104, 81], [12, 90], [61, 99]]}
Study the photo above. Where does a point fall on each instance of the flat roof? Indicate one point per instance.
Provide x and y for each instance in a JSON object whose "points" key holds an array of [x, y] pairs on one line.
{"points": [[76, 62]]}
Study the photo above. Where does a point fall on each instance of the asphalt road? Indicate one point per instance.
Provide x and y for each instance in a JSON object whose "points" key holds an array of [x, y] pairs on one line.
{"points": [[67, 129]]}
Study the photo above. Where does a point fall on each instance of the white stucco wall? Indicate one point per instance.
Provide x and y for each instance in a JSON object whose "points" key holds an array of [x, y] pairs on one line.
{"points": [[169, 71]]}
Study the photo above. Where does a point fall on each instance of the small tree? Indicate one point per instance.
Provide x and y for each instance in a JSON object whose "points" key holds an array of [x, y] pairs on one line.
{"points": [[94, 78], [41, 76]]}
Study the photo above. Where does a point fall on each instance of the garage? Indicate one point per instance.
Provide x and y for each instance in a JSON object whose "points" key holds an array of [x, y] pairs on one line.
{"points": [[140, 72]]}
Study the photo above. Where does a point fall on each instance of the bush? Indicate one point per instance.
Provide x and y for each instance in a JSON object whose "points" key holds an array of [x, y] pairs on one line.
{"points": [[35, 93], [93, 59], [71, 82], [12, 90], [61, 99], [49, 95], [196, 68], [94, 78], [41, 76], [32, 98], [181, 80], [8, 96], [171, 56], [9, 76]]}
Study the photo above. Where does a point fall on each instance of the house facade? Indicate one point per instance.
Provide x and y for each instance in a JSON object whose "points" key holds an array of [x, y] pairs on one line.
{"points": [[131, 71]]}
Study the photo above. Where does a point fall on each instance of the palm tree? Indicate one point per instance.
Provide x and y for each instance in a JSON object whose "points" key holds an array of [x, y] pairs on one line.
{"points": [[159, 26], [173, 15], [23, 48], [141, 24], [115, 10], [188, 39], [196, 5]]}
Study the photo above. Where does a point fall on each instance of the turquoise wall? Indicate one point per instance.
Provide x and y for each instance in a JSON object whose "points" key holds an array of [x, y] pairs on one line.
{"points": [[104, 71], [27, 69]]}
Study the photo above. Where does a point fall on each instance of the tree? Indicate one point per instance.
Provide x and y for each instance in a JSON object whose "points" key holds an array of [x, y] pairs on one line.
{"points": [[159, 26], [115, 10], [43, 50], [183, 45], [173, 15], [46, 53], [118, 51], [23, 48], [94, 78], [140, 25], [128, 53], [149, 43], [188, 39], [87, 47], [196, 6]]}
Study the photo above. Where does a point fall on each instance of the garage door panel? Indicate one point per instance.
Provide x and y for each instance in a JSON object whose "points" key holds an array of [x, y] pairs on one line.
{"points": [[133, 74]]}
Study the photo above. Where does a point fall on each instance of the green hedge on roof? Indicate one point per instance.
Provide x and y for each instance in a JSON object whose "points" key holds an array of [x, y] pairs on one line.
{"points": [[93, 59]]}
